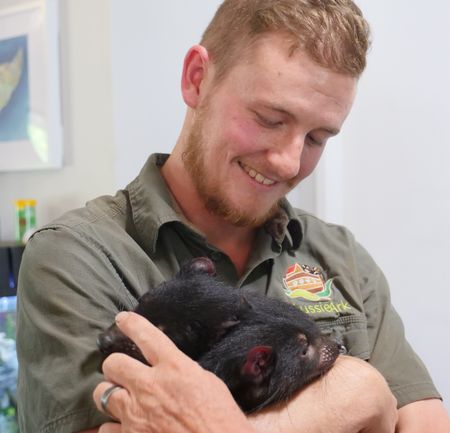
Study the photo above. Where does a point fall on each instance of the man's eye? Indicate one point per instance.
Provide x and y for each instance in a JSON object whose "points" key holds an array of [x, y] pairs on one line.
{"points": [[314, 141], [268, 123]]}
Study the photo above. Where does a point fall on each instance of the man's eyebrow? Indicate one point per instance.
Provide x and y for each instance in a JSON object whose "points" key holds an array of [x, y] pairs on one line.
{"points": [[275, 107]]}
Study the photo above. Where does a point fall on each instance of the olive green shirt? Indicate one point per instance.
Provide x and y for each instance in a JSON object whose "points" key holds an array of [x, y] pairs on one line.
{"points": [[79, 271]]}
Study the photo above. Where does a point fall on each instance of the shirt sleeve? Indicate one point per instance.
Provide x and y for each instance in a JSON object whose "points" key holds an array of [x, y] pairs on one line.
{"points": [[68, 293], [391, 353]]}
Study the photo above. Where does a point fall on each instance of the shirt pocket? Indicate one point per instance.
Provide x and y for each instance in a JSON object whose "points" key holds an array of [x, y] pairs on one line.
{"points": [[351, 332]]}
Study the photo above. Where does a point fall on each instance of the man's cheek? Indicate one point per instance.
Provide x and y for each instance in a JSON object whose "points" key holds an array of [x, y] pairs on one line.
{"points": [[246, 136]]}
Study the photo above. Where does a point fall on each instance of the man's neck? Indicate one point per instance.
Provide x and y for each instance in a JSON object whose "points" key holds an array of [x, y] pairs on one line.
{"points": [[234, 241]]}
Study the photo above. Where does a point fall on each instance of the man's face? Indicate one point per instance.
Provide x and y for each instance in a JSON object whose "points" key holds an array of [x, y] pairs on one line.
{"points": [[262, 130]]}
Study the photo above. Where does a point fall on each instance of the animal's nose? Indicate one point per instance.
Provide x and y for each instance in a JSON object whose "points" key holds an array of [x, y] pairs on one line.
{"points": [[105, 342]]}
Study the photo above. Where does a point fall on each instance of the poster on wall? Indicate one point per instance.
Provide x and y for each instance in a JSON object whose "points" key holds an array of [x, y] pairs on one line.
{"points": [[30, 109]]}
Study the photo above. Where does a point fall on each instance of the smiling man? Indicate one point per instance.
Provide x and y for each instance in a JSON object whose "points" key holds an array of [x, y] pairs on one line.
{"points": [[269, 84]]}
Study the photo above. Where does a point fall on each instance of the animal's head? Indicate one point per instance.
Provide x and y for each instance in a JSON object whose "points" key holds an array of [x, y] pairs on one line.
{"points": [[194, 309], [267, 359]]}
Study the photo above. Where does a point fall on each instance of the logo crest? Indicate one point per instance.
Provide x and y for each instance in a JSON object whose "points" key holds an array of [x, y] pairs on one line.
{"points": [[303, 281]]}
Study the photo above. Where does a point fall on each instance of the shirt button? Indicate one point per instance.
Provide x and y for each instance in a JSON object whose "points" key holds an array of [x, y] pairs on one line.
{"points": [[342, 350], [215, 256]]}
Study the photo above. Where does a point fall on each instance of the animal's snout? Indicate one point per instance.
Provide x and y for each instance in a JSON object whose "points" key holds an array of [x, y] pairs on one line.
{"points": [[112, 340], [105, 342]]}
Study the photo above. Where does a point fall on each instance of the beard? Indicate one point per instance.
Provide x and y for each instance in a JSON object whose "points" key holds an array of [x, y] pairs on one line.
{"points": [[212, 193]]}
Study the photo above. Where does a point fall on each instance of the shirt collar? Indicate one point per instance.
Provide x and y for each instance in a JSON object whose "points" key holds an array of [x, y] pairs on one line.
{"points": [[152, 207], [285, 224], [151, 202]]}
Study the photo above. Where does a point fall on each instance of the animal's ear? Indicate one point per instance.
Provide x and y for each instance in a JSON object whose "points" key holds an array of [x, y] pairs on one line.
{"points": [[200, 264], [245, 305], [258, 364]]}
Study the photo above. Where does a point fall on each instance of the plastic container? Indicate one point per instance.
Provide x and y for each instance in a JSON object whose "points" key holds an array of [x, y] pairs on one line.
{"points": [[25, 210]]}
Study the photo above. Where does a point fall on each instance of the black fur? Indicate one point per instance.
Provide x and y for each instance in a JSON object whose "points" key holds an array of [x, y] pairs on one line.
{"points": [[262, 348]]}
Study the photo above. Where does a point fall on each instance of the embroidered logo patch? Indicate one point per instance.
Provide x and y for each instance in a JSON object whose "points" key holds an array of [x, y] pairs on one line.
{"points": [[303, 281]]}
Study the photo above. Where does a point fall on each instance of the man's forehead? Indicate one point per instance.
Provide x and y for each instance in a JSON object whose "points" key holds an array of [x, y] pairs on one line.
{"points": [[296, 96]]}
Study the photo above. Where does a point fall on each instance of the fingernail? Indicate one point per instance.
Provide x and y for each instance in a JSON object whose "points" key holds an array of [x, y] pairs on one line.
{"points": [[121, 316]]}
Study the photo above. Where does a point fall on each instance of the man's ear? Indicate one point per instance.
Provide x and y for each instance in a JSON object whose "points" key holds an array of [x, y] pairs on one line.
{"points": [[194, 72]]}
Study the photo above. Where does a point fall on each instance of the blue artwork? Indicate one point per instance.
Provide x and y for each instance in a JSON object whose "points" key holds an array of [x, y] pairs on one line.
{"points": [[14, 89]]}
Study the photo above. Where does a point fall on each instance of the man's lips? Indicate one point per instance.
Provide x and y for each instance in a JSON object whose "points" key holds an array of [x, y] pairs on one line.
{"points": [[256, 175]]}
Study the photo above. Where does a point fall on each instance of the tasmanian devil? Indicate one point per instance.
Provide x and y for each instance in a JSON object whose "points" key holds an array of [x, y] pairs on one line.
{"points": [[262, 348]]}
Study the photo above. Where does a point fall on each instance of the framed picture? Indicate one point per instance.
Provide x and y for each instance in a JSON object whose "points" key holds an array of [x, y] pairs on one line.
{"points": [[30, 108]]}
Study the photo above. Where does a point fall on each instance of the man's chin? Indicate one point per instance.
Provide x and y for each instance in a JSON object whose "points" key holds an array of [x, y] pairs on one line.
{"points": [[240, 217]]}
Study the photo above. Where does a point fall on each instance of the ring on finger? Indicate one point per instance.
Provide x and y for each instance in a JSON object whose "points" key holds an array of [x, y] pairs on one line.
{"points": [[105, 397]]}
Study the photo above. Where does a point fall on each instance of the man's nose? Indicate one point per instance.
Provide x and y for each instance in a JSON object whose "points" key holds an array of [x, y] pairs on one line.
{"points": [[285, 158]]}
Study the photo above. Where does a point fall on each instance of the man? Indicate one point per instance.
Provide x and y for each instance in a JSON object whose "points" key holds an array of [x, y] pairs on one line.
{"points": [[269, 84]]}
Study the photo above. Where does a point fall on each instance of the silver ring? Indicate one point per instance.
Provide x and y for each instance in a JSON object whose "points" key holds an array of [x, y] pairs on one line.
{"points": [[105, 397]]}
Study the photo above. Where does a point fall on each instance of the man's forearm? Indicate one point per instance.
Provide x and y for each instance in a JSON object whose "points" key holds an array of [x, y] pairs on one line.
{"points": [[351, 398], [423, 416]]}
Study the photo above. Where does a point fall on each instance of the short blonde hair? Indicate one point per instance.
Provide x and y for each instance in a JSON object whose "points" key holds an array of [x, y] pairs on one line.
{"points": [[333, 33]]}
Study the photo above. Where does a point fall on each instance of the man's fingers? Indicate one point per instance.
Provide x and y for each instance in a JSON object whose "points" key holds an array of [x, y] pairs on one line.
{"points": [[152, 342], [114, 397], [110, 427], [123, 370]]}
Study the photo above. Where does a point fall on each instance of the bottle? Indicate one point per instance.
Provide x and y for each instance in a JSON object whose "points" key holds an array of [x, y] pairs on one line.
{"points": [[25, 210]]}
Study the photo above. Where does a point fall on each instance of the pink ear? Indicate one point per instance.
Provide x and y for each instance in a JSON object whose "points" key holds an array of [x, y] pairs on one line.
{"points": [[258, 363], [203, 264], [194, 74]]}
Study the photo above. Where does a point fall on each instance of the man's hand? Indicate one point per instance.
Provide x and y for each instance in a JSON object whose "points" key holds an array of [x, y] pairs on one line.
{"points": [[175, 395], [352, 397]]}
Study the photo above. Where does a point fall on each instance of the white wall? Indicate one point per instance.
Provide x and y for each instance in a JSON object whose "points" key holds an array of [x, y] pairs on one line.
{"points": [[149, 41], [87, 115], [393, 172]]}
